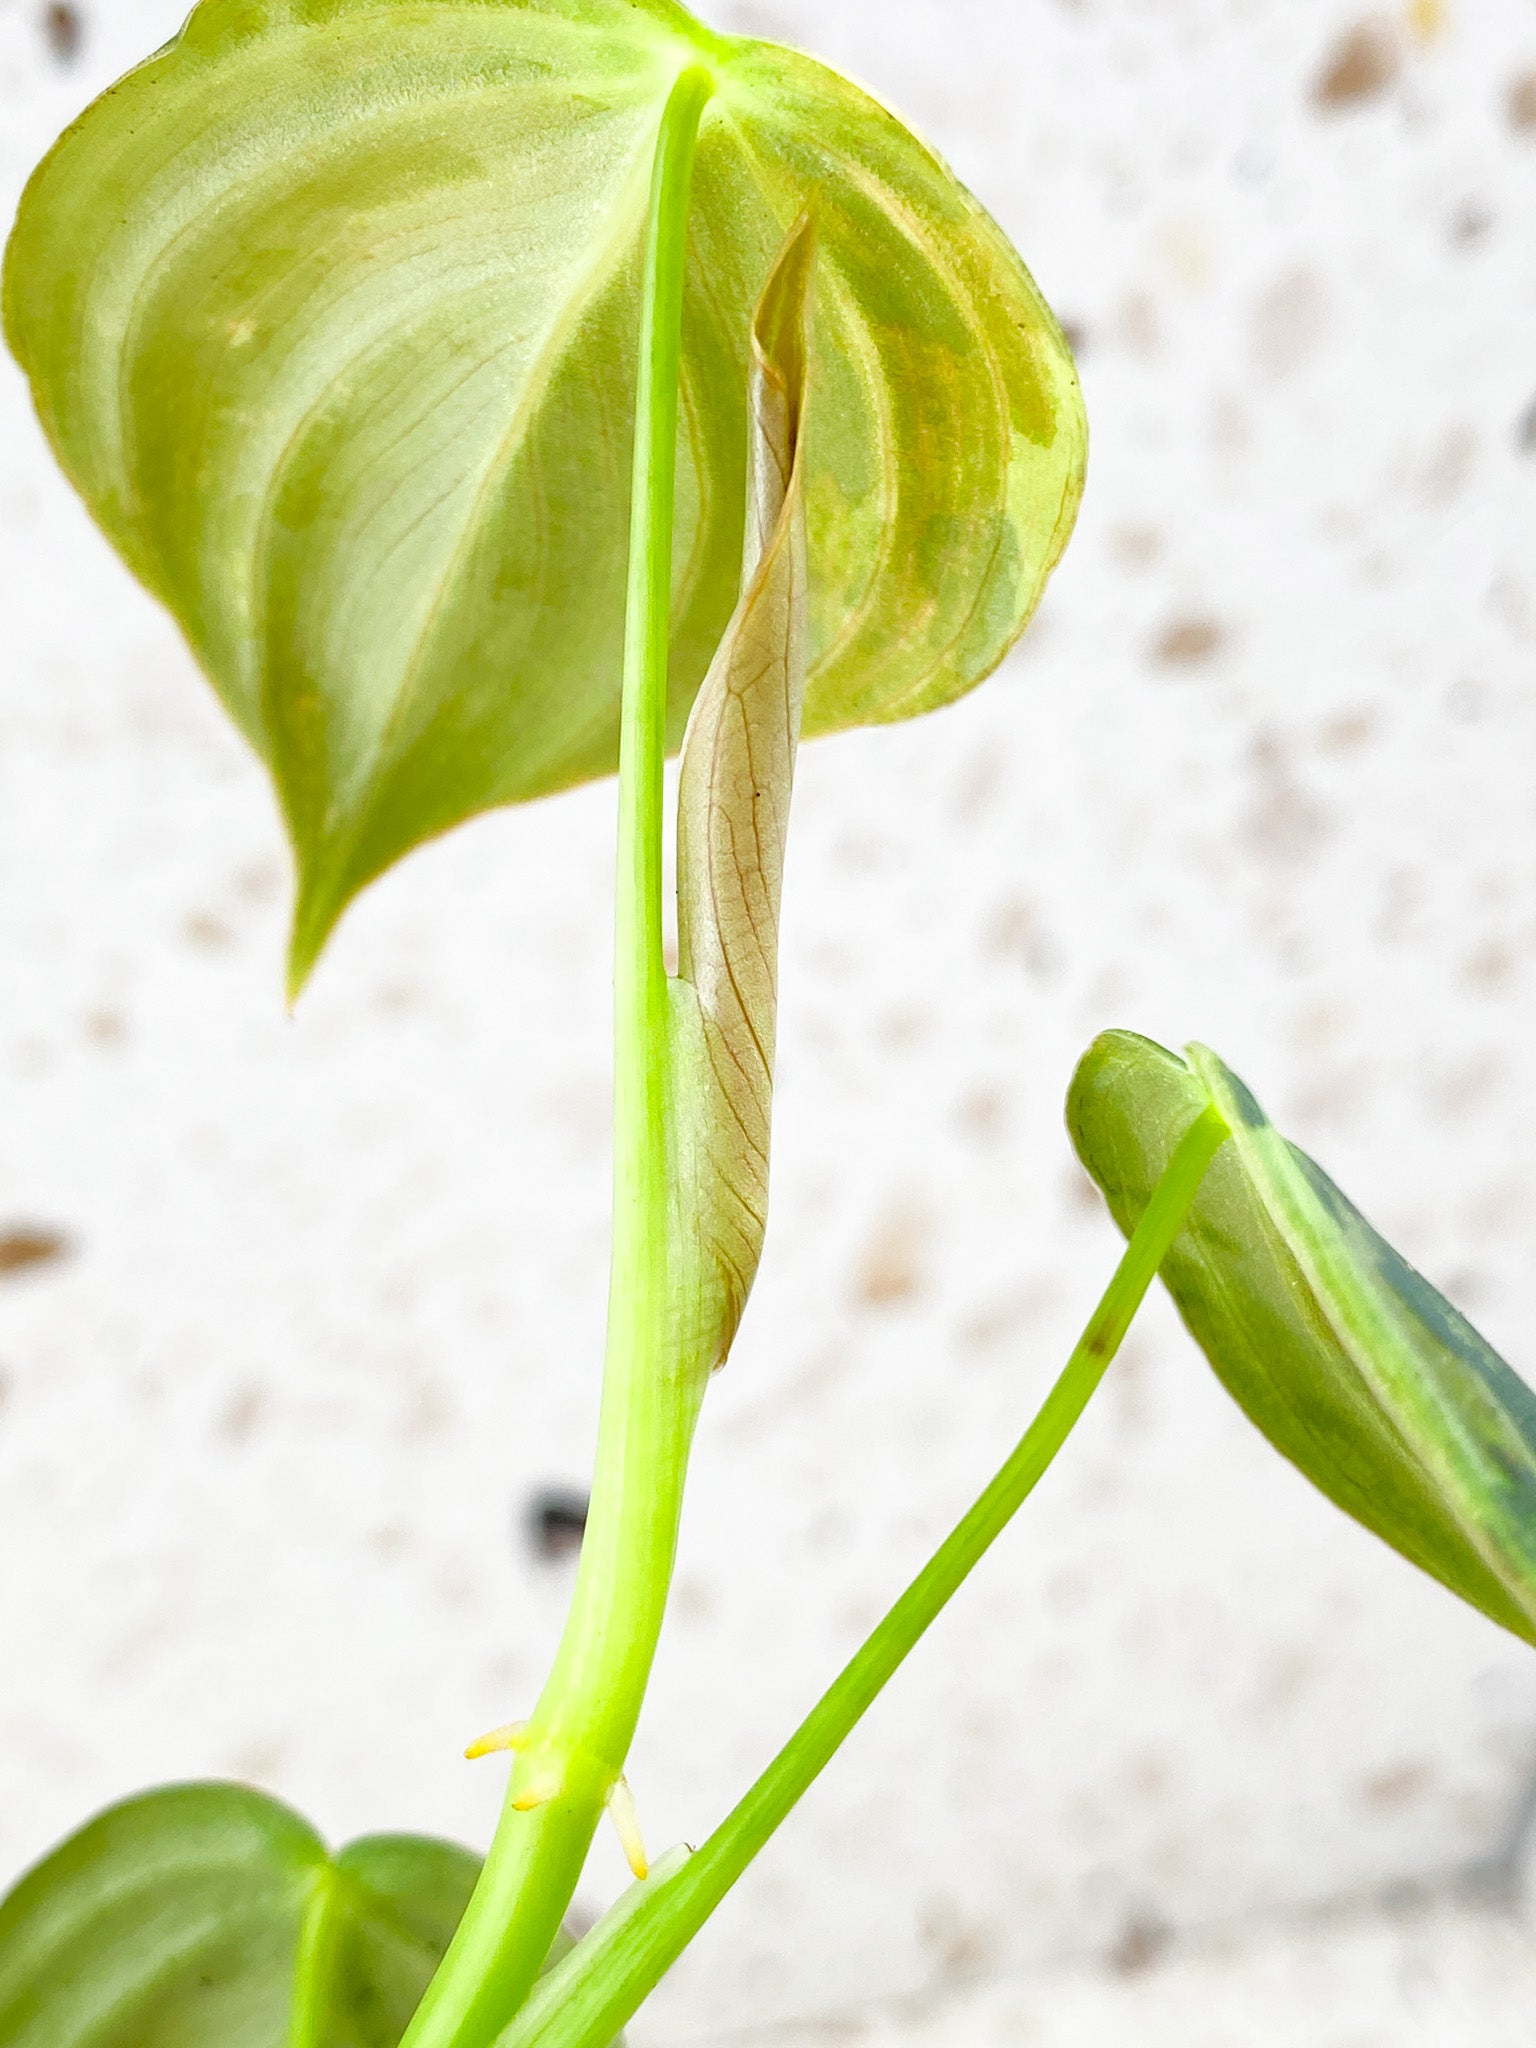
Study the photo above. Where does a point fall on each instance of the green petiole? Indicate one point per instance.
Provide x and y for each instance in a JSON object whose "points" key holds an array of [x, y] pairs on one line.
{"points": [[589, 1996], [572, 1751], [312, 1969]]}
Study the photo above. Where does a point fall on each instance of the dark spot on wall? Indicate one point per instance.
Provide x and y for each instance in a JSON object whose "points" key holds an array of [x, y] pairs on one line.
{"points": [[63, 30], [1362, 64], [243, 1414], [1331, 1096], [1290, 318], [979, 783], [1284, 822], [890, 1272], [260, 1761], [903, 1028], [1188, 643], [24, 1247], [259, 881], [426, 1411], [1470, 224], [1521, 104], [1399, 1785], [1017, 932], [207, 931], [1319, 1026], [555, 1522], [963, 1948], [1449, 466], [1347, 731], [1141, 1945], [1149, 1776], [1470, 1289], [693, 1597], [1490, 969], [1289, 1673], [1497, 1208], [1140, 328], [105, 1028], [1000, 1322], [1465, 1085], [1525, 430], [982, 1114], [1136, 547], [398, 998]]}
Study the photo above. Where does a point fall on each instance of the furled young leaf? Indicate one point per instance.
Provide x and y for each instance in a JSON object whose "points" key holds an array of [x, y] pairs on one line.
{"points": [[737, 773], [209, 1916], [1345, 1357], [330, 312]]}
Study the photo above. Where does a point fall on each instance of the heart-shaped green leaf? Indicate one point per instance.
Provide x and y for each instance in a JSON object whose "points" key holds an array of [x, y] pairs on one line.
{"points": [[1346, 1358], [209, 1916], [330, 311]]}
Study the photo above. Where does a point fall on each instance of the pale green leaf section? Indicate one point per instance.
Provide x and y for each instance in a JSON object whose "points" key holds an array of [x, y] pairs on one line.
{"points": [[1346, 1358], [737, 774], [330, 312], [210, 1916]]}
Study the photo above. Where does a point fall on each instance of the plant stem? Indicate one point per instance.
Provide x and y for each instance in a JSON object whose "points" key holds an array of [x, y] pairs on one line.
{"points": [[308, 2019], [579, 1734], [594, 1991]]}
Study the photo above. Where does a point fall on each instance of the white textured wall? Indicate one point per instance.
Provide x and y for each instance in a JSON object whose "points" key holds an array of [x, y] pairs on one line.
{"points": [[1262, 774]]}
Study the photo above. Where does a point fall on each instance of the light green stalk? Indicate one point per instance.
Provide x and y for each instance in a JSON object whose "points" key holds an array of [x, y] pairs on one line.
{"points": [[584, 2002], [579, 1734], [312, 1970]]}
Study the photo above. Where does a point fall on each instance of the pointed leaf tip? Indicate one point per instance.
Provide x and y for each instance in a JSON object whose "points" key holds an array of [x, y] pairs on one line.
{"points": [[1348, 1360]]}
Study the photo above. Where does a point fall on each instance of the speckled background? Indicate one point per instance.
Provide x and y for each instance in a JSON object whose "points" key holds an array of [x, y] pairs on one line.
{"points": [[325, 1310]]}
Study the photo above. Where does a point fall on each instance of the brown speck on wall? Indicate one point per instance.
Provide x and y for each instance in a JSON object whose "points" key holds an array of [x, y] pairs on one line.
{"points": [[1290, 317], [1362, 64], [1522, 103], [1186, 643], [1141, 1947], [1075, 336], [64, 30], [24, 1247], [891, 1271]]}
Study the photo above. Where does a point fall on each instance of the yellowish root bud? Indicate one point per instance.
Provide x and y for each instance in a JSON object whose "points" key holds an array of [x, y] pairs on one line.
{"points": [[514, 1736], [541, 1788], [622, 1811]]}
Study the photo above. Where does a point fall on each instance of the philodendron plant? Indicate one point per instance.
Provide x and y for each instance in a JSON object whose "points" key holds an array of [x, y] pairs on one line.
{"points": [[502, 393]]}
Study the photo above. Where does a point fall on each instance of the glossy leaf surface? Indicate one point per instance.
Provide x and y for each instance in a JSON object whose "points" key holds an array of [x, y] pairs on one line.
{"points": [[210, 1916], [330, 312], [1349, 1361]]}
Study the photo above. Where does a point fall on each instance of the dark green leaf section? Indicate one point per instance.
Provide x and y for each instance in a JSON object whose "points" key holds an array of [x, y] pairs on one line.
{"points": [[210, 1916], [1346, 1358], [330, 311]]}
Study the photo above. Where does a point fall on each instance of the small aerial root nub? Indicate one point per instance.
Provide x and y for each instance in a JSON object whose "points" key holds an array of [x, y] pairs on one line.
{"points": [[621, 1808]]}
